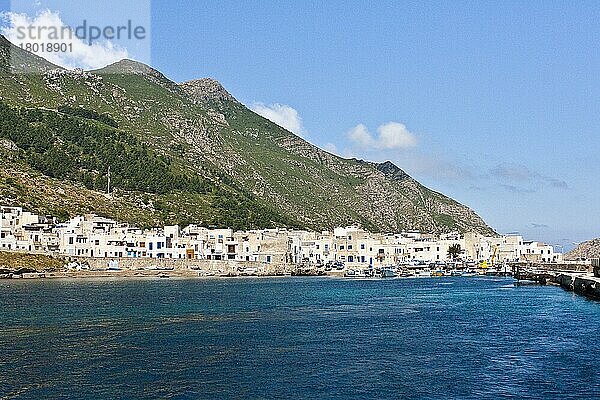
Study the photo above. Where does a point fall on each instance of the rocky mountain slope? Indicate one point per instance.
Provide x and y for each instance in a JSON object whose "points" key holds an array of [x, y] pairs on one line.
{"points": [[248, 165], [585, 250]]}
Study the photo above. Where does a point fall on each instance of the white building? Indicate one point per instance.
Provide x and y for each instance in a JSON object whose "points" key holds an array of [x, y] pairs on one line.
{"points": [[94, 236]]}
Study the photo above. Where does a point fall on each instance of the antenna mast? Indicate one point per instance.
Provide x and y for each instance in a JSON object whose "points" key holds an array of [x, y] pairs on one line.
{"points": [[108, 186]]}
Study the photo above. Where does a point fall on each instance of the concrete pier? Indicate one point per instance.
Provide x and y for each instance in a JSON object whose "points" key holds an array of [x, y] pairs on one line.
{"points": [[578, 278], [584, 285]]}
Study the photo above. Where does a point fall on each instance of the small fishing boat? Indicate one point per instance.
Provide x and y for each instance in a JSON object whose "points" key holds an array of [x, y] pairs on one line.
{"points": [[423, 273], [355, 273], [388, 273]]}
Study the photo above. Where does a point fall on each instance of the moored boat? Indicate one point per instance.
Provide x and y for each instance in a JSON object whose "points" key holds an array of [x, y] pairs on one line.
{"points": [[355, 273], [388, 273]]}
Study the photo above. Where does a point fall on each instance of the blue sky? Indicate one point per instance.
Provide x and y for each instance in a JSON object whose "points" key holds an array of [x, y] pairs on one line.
{"points": [[502, 98]]}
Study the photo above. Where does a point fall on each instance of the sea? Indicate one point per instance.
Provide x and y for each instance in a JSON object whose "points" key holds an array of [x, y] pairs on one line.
{"points": [[296, 338]]}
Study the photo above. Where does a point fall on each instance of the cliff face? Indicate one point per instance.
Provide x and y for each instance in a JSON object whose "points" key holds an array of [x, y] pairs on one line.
{"points": [[206, 89], [204, 131]]}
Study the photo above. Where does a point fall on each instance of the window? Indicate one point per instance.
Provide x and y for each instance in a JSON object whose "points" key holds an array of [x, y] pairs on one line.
{"points": [[71, 240], [349, 247], [342, 247], [362, 246]]}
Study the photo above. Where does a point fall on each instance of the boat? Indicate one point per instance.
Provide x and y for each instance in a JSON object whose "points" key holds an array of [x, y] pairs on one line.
{"points": [[248, 271], [423, 273], [113, 265], [438, 272], [407, 274], [355, 273], [388, 273]]}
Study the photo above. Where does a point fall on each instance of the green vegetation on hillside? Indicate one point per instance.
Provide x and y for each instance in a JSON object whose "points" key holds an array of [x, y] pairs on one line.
{"points": [[69, 148], [82, 112]]}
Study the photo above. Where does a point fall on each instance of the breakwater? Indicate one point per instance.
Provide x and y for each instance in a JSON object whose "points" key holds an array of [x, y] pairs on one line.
{"points": [[583, 283]]}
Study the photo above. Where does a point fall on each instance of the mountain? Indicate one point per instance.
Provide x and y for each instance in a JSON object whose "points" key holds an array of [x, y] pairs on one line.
{"points": [[218, 163], [15, 60], [585, 250]]}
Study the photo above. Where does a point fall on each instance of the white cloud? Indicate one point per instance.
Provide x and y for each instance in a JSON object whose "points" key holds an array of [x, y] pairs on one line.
{"points": [[360, 135], [394, 135], [390, 136], [283, 115], [46, 24], [330, 147]]}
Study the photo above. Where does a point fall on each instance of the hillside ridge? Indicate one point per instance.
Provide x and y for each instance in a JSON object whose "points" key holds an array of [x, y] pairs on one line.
{"points": [[200, 130], [585, 250]]}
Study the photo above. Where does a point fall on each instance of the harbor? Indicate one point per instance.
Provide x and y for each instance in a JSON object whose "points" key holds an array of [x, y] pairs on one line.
{"points": [[91, 243], [221, 337]]}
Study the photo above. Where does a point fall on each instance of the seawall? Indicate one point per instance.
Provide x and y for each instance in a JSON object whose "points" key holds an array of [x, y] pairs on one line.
{"points": [[584, 285], [206, 267]]}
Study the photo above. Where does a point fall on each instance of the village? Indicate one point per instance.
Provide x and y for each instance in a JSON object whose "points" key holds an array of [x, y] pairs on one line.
{"points": [[349, 249]]}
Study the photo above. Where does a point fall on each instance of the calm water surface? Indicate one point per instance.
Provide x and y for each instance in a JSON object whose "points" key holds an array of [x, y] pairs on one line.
{"points": [[461, 338]]}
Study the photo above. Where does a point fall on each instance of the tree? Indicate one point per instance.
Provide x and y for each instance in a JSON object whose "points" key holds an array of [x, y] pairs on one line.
{"points": [[454, 251]]}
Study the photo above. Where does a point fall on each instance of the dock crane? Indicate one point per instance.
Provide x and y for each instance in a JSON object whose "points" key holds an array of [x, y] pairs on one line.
{"points": [[493, 256], [484, 264]]}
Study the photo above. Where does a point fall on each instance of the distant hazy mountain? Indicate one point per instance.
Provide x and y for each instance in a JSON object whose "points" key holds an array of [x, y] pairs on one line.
{"points": [[188, 152]]}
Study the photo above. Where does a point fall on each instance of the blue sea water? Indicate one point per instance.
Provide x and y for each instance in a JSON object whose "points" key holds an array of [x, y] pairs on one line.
{"points": [[305, 338]]}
